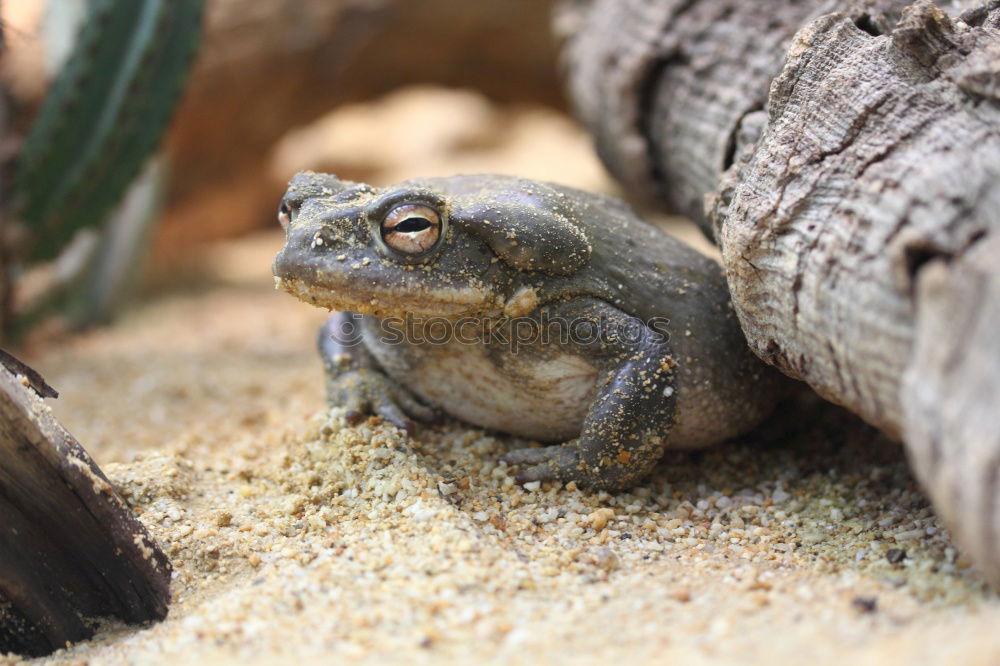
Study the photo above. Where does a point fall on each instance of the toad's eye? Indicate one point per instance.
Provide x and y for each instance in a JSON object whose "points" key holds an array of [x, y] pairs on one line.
{"points": [[411, 228], [284, 215]]}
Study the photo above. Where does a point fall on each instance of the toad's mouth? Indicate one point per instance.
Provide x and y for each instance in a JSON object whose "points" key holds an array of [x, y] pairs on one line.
{"points": [[422, 301], [366, 285]]}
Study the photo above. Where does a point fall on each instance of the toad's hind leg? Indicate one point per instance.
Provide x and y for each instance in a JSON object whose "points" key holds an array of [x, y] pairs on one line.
{"points": [[625, 431]]}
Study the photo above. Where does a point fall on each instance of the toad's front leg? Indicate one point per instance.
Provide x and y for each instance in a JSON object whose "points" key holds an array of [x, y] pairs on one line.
{"points": [[626, 428], [355, 381]]}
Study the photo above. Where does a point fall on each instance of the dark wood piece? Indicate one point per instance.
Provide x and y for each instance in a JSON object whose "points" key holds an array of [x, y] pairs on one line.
{"points": [[71, 551]]}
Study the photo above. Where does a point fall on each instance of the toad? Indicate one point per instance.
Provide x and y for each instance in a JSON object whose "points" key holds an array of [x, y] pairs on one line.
{"points": [[522, 307]]}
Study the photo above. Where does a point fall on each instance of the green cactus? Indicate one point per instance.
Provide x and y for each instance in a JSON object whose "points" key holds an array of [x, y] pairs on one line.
{"points": [[104, 115]]}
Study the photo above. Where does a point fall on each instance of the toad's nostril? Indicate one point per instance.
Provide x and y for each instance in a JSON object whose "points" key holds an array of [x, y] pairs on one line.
{"points": [[284, 215]]}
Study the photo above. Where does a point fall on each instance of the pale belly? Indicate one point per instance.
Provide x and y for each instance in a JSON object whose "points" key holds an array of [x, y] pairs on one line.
{"points": [[538, 397]]}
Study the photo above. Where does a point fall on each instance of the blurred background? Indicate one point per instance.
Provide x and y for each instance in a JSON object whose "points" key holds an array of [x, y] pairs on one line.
{"points": [[146, 145], [372, 90]]}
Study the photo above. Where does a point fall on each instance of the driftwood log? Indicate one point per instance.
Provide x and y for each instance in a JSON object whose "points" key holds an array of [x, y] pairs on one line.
{"points": [[71, 551], [845, 155], [269, 66]]}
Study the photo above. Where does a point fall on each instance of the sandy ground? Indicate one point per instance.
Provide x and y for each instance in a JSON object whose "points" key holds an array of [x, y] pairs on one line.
{"points": [[295, 537]]}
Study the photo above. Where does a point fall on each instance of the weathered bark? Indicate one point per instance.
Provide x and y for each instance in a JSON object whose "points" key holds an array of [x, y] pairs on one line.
{"points": [[874, 159], [857, 226], [861, 213], [951, 396], [672, 89]]}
